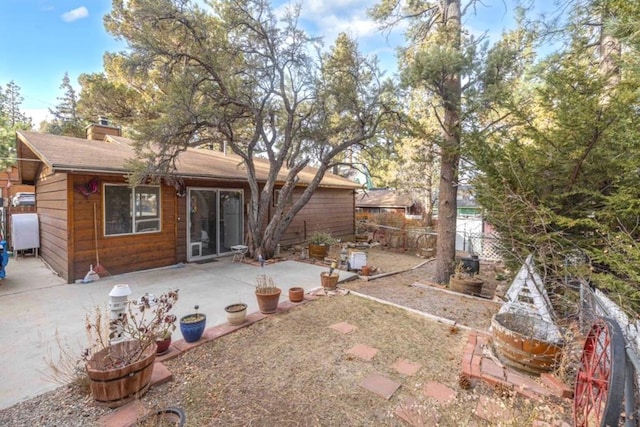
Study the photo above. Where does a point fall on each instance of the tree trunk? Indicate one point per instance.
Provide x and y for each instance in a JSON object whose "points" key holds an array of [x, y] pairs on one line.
{"points": [[447, 215], [448, 188]]}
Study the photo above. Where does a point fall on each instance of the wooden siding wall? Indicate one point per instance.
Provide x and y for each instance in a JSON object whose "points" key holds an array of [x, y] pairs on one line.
{"points": [[118, 254], [331, 210], [328, 210], [51, 206], [67, 225]]}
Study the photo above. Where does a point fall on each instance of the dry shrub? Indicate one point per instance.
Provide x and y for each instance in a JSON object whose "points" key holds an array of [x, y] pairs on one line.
{"points": [[66, 366]]}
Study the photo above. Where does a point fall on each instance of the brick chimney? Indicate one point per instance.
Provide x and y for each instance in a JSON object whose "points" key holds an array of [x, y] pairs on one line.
{"points": [[98, 131]]}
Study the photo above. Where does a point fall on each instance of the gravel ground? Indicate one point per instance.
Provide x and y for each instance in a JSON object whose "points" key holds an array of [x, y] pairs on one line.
{"points": [[291, 369]]}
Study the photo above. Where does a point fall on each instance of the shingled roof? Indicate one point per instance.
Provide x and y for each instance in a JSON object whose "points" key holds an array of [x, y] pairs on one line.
{"points": [[69, 154], [383, 198]]}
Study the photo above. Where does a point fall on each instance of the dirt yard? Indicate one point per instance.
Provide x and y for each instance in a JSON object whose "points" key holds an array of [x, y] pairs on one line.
{"points": [[294, 369]]}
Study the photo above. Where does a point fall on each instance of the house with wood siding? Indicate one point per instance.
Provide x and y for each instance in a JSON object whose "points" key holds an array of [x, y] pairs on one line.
{"points": [[385, 200], [86, 209]]}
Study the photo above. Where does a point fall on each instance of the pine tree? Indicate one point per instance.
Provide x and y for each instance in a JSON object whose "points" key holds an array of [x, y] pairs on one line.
{"points": [[66, 120]]}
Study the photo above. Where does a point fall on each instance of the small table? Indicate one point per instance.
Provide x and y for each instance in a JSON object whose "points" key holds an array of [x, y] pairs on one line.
{"points": [[238, 252]]}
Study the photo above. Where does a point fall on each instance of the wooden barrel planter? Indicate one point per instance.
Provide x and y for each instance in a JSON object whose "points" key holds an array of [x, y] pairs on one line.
{"points": [[115, 386], [329, 281], [526, 342], [318, 251], [466, 285]]}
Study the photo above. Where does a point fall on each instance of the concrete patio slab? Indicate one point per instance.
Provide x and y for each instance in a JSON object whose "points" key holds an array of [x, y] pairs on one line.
{"points": [[42, 313]]}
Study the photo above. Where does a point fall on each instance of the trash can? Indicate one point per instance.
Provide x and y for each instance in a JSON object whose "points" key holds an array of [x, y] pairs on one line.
{"points": [[471, 264]]}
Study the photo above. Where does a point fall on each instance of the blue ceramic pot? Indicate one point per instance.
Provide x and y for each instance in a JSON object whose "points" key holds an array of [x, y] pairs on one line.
{"points": [[192, 330]]}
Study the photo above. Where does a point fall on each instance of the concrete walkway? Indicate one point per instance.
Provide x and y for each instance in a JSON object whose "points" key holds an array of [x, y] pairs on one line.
{"points": [[40, 310]]}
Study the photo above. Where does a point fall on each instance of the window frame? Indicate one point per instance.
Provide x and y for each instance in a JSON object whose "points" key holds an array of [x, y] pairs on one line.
{"points": [[136, 215]]}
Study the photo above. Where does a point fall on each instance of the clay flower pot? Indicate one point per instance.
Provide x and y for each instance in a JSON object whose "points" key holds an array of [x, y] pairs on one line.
{"points": [[268, 302], [163, 345], [296, 294]]}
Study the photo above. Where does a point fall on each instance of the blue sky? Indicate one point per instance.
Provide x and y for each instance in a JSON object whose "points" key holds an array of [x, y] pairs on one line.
{"points": [[43, 39]]}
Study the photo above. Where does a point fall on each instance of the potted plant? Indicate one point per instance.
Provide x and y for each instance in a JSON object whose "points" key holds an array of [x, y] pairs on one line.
{"points": [[465, 281], [192, 325], [330, 279], [162, 322], [119, 360], [267, 294], [296, 294], [236, 313], [319, 244]]}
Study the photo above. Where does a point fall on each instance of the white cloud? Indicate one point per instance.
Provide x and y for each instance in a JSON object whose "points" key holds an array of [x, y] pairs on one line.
{"points": [[357, 27], [75, 14], [37, 115]]}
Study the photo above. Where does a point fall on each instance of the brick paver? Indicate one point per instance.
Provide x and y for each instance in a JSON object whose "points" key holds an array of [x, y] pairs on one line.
{"points": [[440, 392], [489, 367], [363, 351], [380, 385], [527, 386], [406, 367], [123, 416], [160, 374], [557, 387], [409, 412], [476, 364], [343, 327]]}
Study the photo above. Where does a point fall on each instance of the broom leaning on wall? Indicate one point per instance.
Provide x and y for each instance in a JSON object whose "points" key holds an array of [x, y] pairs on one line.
{"points": [[93, 275]]}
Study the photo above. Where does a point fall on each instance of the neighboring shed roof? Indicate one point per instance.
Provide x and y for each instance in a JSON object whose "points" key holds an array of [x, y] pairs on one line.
{"points": [[68, 154], [383, 199]]}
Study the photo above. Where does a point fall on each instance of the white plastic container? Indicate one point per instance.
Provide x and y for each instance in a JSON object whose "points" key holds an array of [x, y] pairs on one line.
{"points": [[357, 260]]}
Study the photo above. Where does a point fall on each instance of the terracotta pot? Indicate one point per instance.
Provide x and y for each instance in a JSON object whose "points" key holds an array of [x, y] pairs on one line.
{"points": [[268, 303], [163, 345], [296, 294], [329, 282], [236, 313], [366, 270]]}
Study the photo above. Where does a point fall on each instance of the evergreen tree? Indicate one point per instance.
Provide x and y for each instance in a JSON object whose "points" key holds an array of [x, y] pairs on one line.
{"points": [[10, 102], [439, 56], [237, 75], [11, 119], [66, 120], [563, 179]]}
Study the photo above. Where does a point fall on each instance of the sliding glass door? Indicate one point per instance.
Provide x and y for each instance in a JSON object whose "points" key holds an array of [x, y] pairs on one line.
{"points": [[216, 222]]}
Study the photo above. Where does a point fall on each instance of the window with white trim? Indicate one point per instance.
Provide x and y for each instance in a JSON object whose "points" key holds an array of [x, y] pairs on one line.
{"points": [[131, 210]]}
